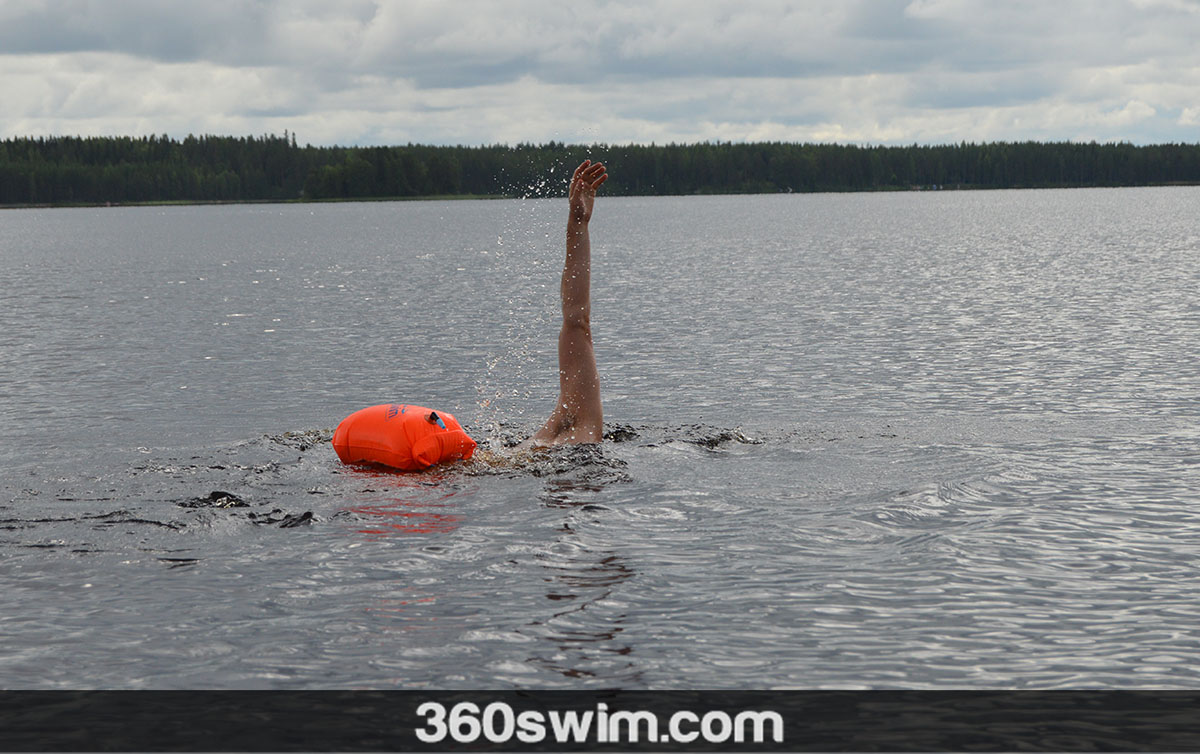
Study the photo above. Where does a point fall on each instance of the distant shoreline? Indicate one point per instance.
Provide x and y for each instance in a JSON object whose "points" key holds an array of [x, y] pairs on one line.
{"points": [[221, 202], [161, 171]]}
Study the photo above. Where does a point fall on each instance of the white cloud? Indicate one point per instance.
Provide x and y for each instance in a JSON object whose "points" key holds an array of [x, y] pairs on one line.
{"points": [[358, 71]]}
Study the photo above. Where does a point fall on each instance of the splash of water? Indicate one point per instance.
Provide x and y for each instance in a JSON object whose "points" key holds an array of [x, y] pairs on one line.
{"points": [[528, 261]]}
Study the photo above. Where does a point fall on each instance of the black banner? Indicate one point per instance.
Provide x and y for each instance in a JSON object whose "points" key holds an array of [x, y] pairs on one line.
{"points": [[832, 721]]}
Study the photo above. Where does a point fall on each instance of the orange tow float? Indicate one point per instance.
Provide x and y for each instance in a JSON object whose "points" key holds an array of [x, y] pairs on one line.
{"points": [[402, 436]]}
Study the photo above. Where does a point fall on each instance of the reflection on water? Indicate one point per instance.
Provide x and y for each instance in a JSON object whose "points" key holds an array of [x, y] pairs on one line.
{"points": [[420, 503], [406, 517], [582, 638]]}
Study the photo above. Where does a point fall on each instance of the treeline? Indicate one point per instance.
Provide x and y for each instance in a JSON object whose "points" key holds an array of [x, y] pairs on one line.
{"points": [[97, 170]]}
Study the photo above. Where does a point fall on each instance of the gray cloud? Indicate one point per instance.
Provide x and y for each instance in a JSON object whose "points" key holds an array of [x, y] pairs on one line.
{"points": [[165, 32], [478, 72]]}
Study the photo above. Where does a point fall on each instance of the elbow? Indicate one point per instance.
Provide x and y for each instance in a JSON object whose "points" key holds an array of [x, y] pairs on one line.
{"points": [[577, 323], [577, 314]]}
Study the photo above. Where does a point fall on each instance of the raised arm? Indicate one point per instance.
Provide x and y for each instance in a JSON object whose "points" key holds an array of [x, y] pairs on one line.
{"points": [[577, 416]]}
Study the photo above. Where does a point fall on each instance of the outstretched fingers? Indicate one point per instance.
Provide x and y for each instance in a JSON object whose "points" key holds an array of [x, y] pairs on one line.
{"points": [[595, 174], [592, 173], [579, 170], [582, 192]]}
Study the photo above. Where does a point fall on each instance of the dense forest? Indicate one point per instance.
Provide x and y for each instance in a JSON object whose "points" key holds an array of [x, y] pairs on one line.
{"points": [[99, 170]]}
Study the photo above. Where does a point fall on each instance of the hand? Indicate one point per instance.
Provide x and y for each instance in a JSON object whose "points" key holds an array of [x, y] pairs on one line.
{"points": [[587, 178]]}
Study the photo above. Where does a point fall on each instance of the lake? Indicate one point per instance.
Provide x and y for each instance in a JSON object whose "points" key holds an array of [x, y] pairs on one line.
{"points": [[896, 440]]}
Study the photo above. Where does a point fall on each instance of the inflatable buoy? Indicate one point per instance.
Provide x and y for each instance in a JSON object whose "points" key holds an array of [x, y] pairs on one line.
{"points": [[402, 436]]}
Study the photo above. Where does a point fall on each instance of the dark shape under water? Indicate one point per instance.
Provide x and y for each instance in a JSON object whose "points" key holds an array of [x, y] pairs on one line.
{"points": [[620, 433], [712, 438], [283, 519], [216, 499]]}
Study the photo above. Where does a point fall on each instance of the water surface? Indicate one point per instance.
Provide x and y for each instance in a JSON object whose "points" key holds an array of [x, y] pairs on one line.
{"points": [[869, 440]]}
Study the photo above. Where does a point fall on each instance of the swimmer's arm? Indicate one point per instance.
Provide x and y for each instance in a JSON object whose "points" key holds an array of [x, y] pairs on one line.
{"points": [[578, 379], [578, 415], [577, 267], [576, 286]]}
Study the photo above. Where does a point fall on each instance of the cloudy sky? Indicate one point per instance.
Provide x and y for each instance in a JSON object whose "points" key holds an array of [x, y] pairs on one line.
{"points": [[508, 71]]}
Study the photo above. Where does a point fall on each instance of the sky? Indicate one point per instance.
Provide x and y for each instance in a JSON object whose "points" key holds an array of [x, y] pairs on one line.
{"points": [[361, 72]]}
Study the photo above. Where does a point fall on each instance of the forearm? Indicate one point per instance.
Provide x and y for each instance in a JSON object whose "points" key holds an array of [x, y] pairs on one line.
{"points": [[577, 276]]}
